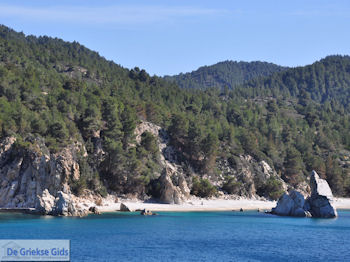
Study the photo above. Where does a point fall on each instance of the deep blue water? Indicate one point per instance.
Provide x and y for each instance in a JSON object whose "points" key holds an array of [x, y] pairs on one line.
{"points": [[201, 236]]}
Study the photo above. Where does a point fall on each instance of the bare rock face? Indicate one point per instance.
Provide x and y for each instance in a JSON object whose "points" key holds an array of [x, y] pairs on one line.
{"points": [[319, 204], [319, 186], [291, 204], [320, 201], [146, 126], [284, 206], [31, 177], [46, 203], [251, 174], [64, 205], [125, 208], [173, 187]]}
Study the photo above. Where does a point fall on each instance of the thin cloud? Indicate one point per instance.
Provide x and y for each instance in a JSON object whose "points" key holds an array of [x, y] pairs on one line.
{"points": [[321, 13], [106, 15]]}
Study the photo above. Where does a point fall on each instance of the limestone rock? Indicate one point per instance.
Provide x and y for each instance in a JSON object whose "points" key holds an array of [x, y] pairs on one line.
{"points": [[321, 201], [64, 205], [32, 177], [291, 204], [45, 203], [251, 174], [125, 208], [146, 212], [95, 210], [319, 204], [284, 205], [143, 127], [319, 186], [173, 187]]}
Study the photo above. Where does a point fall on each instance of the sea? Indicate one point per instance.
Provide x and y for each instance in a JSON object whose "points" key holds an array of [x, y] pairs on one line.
{"points": [[189, 236]]}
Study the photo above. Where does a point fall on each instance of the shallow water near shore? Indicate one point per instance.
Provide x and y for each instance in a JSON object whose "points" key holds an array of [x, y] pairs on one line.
{"points": [[189, 236]]}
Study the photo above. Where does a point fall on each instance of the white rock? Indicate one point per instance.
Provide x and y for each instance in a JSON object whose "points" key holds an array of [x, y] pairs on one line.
{"points": [[319, 186], [319, 204], [284, 206], [125, 208]]}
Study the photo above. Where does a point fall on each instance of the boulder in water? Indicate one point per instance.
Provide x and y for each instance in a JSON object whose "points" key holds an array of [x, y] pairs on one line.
{"points": [[146, 212], [291, 204], [319, 204], [95, 210]]}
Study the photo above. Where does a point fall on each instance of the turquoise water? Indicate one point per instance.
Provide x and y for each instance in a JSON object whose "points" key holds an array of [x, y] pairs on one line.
{"points": [[201, 236]]}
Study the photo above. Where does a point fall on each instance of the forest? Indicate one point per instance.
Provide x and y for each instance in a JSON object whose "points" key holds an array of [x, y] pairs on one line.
{"points": [[295, 119]]}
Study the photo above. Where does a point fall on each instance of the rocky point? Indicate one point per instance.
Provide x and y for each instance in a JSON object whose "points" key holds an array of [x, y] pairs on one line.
{"points": [[319, 204]]}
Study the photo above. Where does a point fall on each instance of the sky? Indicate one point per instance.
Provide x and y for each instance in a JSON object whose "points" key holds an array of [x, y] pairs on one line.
{"points": [[167, 37]]}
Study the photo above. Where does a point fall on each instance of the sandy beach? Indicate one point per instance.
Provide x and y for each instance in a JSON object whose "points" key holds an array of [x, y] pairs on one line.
{"points": [[342, 203], [205, 205], [193, 205]]}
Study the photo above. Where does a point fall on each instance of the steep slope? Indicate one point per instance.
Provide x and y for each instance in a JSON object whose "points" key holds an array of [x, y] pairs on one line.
{"points": [[227, 74]]}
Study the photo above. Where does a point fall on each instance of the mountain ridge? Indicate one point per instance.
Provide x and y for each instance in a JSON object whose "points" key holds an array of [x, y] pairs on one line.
{"points": [[224, 74]]}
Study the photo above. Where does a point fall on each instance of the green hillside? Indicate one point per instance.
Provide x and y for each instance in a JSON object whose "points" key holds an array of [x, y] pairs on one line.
{"points": [[227, 74], [296, 120]]}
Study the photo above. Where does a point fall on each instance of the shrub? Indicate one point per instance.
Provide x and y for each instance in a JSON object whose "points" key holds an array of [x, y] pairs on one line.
{"points": [[202, 188], [79, 186], [271, 189], [149, 142], [231, 186]]}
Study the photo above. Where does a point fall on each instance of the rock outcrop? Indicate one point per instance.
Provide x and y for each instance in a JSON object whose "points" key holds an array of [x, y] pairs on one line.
{"points": [[65, 206], [319, 204], [46, 203], [31, 177], [125, 208], [173, 187], [95, 210], [291, 204], [146, 212], [249, 173]]}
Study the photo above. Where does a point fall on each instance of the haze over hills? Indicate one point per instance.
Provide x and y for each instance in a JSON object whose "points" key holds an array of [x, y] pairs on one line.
{"points": [[225, 74], [63, 102]]}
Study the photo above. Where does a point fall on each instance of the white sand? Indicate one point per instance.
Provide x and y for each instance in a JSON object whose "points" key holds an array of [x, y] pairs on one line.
{"points": [[194, 205], [342, 203], [206, 205]]}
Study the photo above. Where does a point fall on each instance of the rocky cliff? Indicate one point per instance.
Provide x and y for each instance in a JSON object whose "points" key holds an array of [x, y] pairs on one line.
{"points": [[251, 175], [32, 177], [172, 185]]}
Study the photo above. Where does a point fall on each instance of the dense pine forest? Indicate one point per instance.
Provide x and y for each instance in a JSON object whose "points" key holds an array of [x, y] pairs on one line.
{"points": [[295, 119], [225, 75]]}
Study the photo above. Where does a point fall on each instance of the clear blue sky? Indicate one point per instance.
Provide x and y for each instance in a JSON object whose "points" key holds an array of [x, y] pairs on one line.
{"points": [[173, 36]]}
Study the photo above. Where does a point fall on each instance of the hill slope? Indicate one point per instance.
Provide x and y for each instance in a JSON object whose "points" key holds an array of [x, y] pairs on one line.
{"points": [[224, 74], [58, 97], [324, 81]]}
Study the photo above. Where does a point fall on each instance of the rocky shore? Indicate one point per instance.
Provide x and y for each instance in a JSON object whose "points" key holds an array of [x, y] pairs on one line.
{"points": [[319, 204], [33, 178]]}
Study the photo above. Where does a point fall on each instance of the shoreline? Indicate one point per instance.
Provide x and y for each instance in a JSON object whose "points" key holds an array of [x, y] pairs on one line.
{"points": [[192, 205], [212, 205]]}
